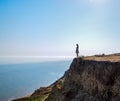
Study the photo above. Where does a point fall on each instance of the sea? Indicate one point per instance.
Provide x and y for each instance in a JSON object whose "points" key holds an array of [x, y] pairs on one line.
{"points": [[22, 78]]}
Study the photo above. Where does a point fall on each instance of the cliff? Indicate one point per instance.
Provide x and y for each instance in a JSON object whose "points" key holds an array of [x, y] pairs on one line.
{"points": [[95, 78], [88, 80]]}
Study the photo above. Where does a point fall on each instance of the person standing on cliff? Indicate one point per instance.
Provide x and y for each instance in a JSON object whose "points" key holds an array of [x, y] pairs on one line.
{"points": [[77, 50]]}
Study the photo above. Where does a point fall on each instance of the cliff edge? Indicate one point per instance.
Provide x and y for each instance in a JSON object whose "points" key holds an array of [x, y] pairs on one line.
{"points": [[88, 80], [92, 78]]}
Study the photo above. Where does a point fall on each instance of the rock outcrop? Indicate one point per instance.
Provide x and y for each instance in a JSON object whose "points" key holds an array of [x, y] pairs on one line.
{"points": [[88, 80]]}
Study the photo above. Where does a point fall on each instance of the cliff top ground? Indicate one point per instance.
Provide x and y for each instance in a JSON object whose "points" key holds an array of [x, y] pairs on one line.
{"points": [[111, 58]]}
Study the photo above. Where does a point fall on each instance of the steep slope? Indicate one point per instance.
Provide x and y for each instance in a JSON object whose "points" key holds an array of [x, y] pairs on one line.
{"points": [[88, 80]]}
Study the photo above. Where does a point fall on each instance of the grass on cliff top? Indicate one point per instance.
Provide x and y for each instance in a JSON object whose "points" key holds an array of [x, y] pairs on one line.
{"points": [[111, 58]]}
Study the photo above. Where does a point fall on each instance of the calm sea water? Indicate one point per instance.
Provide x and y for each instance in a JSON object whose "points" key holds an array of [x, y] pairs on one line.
{"points": [[18, 80]]}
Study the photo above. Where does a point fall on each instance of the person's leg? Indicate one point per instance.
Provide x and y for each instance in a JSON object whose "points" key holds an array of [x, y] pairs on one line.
{"points": [[77, 54]]}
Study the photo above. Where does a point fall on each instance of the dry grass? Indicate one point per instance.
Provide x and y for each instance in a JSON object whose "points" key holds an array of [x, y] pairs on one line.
{"points": [[112, 58]]}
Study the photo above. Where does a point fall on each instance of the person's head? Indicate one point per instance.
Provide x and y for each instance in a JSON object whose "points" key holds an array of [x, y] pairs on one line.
{"points": [[77, 45]]}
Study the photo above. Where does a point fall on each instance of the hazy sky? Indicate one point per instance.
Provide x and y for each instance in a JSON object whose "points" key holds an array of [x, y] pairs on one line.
{"points": [[53, 27]]}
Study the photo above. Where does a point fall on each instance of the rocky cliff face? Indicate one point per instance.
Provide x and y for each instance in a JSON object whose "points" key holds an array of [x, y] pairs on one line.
{"points": [[88, 80]]}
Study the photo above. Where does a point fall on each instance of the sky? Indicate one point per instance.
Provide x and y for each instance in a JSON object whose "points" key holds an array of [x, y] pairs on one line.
{"points": [[54, 27]]}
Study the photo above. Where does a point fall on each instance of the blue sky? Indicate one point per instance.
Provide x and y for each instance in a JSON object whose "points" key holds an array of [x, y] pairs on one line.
{"points": [[53, 27]]}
